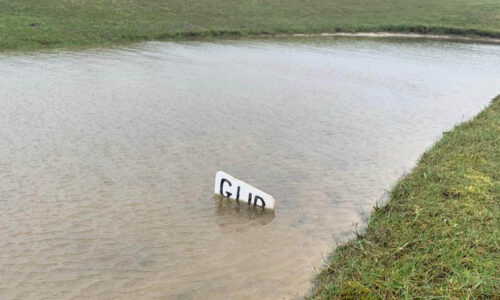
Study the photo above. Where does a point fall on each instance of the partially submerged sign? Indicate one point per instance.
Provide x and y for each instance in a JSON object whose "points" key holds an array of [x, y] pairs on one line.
{"points": [[231, 187]]}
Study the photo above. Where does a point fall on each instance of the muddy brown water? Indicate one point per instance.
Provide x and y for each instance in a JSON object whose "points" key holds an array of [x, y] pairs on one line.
{"points": [[108, 157]]}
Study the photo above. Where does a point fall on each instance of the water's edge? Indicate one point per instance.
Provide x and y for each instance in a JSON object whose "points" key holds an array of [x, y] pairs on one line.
{"points": [[465, 35], [398, 35], [320, 284]]}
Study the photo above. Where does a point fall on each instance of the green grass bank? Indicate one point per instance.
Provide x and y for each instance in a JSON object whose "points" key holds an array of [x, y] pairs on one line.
{"points": [[48, 24], [439, 235]]}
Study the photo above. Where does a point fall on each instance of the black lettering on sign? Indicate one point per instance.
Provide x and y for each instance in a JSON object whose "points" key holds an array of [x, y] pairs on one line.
{"points": [[238, 194], [228, 194], [261, 201], [249, 198]]}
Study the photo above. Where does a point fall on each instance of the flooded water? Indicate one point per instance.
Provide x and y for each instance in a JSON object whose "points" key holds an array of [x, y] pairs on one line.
{"points": [[108, 157]]}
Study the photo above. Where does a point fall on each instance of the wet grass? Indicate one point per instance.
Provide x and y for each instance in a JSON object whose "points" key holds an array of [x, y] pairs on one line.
{"points": [[439, 235], [46, 24]]}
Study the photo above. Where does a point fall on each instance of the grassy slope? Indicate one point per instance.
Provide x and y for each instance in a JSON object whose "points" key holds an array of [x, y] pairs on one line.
{"points": [[440, 233], [76, 23]]}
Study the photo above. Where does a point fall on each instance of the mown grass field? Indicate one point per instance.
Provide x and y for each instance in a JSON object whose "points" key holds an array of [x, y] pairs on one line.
{"points": [[38, 24], [439, 236]]}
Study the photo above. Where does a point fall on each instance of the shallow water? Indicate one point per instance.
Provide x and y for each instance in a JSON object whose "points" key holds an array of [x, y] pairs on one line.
{"points": [[107, 158]]}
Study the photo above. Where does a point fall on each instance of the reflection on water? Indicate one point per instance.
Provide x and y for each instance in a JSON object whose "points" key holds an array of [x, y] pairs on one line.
{"points": [[240, 213], [107, 158]]}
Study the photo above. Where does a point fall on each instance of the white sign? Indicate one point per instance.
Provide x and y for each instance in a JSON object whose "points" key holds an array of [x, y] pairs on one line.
{"points": [[231, 187]]}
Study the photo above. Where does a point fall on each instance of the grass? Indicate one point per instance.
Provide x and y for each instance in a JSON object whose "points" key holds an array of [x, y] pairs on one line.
{"points": [[439, 235], [47, 24]]}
